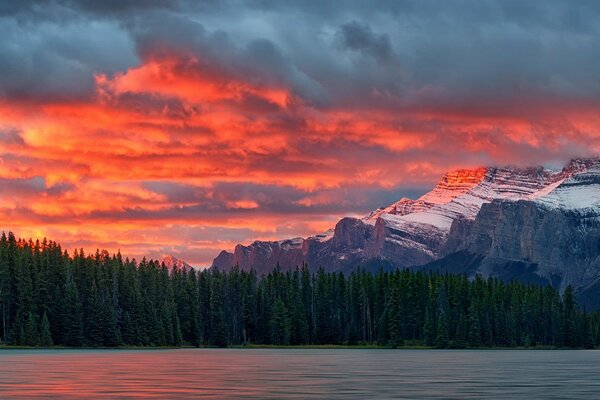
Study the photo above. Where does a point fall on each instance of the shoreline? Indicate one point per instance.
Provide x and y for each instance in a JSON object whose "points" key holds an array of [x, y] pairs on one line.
{"points": [[288, 347]]}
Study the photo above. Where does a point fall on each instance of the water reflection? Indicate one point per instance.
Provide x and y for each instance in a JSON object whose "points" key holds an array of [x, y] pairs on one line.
{"points": [[298, 374]]}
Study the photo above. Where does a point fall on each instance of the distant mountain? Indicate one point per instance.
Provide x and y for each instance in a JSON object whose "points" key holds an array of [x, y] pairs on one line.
{"points": [[500, 221], [551, 238], [171, 262]]}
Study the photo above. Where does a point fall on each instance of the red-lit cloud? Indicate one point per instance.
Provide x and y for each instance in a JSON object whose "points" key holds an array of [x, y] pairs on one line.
{"points": [[198, 141]]}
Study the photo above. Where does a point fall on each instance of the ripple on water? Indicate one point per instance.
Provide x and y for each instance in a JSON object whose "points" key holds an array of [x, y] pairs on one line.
{"points": [[298, 373]]}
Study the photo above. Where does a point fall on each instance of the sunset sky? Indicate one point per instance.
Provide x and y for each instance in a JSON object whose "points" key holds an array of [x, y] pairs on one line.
{"points": [[186, 127]]}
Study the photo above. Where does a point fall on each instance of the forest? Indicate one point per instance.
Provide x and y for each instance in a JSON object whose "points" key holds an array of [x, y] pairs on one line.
{"points": [[49, 297]]}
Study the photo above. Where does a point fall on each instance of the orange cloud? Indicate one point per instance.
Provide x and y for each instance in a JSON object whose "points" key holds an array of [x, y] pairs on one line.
{"points": [[167, 147]]}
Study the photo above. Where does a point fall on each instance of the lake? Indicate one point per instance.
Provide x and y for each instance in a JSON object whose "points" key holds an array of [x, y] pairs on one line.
{"points": [[298, 374]]}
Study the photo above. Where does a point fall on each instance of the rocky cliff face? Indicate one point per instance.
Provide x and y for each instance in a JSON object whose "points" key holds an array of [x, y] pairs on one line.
{"points": [[532, 224], [561, 246], [335, 250], [552, 238]]}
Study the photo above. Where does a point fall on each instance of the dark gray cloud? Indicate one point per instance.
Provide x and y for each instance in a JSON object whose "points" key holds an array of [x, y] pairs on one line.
{"points": [[58, 59], [216, 201], [447, 53], [152, 104], [400, 53], [360, 38], [35, 186]]}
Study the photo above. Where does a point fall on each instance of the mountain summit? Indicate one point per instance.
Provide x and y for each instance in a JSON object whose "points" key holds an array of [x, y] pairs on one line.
{"points": [[547, 222], [171, 262]]}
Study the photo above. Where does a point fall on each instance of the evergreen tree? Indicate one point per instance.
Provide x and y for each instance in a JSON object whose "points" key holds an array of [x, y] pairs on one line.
{"points": [[462, 332], [442, 321], [45, 335], [218, 331], [429, 330], [280, 324], [128, 330], [72, 317], [31, 331], [5, 296], [94, 326], [177, 337], [474, 326], [50, 297], [394, 318], [299, 323], [442, 332], [587, 340], [112, 334], [569, 338]]}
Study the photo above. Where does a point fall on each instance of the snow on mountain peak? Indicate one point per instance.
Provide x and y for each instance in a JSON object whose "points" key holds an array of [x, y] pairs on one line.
{"points": [[582, 164], [452, 185], [414, 232], [462, 193], [579, 187]]}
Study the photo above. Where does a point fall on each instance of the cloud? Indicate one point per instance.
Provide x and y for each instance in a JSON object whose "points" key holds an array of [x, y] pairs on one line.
{"points": [[11, 137], [400, 54], [359, 37], [187, 126], [57, 59]]}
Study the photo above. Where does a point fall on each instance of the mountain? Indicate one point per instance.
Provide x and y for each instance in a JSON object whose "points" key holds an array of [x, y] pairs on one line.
{"points": [[551, 238], [530, 223], [172, 262]]}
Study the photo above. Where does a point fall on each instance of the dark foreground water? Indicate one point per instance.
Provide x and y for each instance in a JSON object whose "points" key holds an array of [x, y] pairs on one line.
{"points": [[299, 374]]}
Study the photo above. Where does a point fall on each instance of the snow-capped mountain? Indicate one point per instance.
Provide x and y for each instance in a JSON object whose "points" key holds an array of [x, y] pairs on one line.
{"points": [[461, 194], [539, 209]]}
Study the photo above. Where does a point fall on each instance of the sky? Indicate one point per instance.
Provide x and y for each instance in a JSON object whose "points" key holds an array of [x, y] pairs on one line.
{"points": [[187, 127]]}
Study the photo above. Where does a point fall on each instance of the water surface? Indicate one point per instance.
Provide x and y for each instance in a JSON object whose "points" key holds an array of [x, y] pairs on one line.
{"points": [[298, 374]]}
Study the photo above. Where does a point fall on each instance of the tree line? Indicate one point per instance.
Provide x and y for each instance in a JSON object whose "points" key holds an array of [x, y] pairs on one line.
{"points": [[48, 297]]}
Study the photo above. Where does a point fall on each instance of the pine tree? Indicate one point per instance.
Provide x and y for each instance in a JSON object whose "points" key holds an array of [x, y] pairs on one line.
{"points": [[112, 334], [45, 335], [442, 321], [25, 305], [48, 296], [218, 331], [128, 330], [280, 324], [461, 332], [177, 337], [4, 287], [587, 340], [73, 316], [31, 331], [568, 320], [442, 332], [299, 329], [394, 321], [429, 330], [474, 326], [95, 318]]}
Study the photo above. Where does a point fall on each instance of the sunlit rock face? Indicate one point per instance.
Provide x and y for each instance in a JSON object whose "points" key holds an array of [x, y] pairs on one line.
{"points": [[171, 262], [545, 221], [562, 245], [552, 237]]}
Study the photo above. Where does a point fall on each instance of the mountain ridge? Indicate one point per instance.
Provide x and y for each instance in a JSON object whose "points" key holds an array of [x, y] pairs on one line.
{"points": [[465, 203]]}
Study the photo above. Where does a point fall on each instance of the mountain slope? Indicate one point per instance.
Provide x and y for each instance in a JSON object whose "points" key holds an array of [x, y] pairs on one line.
{"points": [[171, 262], [533, 224], [555, 237]]}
